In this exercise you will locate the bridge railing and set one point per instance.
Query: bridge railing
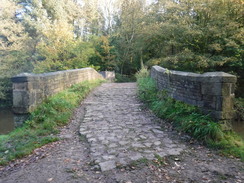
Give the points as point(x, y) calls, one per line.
point(212, 92)
point(29, 89)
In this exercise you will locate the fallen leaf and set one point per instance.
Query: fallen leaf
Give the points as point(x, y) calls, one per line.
point(167, 177)
point(177, 164)
point(50, 179)
point(67, 160)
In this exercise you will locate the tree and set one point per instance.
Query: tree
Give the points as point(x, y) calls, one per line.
point(14, 46)
point(127, 33)
point(105, 56)
point(54, 27)
point(200, 36)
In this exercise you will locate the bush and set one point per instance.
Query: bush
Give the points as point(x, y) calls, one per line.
point(143, 73)
point(239, 109)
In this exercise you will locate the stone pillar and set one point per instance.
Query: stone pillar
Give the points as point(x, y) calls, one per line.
point(218, 94)
point(108, 75)
point(23, 96)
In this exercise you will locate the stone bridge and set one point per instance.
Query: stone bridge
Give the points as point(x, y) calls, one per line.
point(117, 128)
point(212, 92)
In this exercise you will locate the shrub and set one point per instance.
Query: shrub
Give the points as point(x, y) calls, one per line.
point(239, 109)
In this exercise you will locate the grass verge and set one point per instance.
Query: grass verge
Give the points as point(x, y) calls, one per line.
point(44, 123)
point(188, 118)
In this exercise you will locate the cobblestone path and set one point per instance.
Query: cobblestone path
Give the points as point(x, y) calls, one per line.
point(119, 132)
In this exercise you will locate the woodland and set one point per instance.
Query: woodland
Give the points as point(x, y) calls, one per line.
point(123, 35)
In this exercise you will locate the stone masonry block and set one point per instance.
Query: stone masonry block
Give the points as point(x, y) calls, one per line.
point(228, 104)
point(218, 77)
point(21, 98)
point(228, 89)
point(20, 86)
point(224, 104)
point(211, 88)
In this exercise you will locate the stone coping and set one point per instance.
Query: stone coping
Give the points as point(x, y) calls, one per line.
point(220, 77)
point(25, 77)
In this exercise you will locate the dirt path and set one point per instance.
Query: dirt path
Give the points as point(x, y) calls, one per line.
point(117, 133)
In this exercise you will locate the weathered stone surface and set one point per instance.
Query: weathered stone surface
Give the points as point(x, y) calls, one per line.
point(107, 165)
point(109, 75)
point(123, 131)
point(213, 92)
point(212, 88)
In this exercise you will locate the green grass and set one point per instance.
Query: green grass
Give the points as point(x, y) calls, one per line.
point(188, 119)
point(44, 123)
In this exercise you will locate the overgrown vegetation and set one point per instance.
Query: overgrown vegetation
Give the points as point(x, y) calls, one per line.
point(239, 109)
point(44, 123)
point(121, 78)
point(188, 118)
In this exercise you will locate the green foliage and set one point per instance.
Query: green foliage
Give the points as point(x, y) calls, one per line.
point(104, 57)
point(44, 123)
point(71, 54)
point(14, 47)
point(147, 89)
point(5, 92)
point(188, 118)
point(143, 73)
point(122, 78)
point(230, 144)
point(41, 35)
point(197, 36)
point(239, 108)
point(127, 36)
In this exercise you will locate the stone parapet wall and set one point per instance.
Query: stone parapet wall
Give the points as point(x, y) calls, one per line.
point(212, 92)
point(108, 75)
point(29, 90)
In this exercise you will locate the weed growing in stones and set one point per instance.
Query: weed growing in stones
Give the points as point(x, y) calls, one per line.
point(158, 161)
point(136, 164)
point(83, 138)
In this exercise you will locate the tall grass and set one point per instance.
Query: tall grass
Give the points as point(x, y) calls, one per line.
point(44, 123)
point(187, 118)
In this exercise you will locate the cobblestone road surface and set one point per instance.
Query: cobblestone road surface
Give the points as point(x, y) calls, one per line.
point(119, 132)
